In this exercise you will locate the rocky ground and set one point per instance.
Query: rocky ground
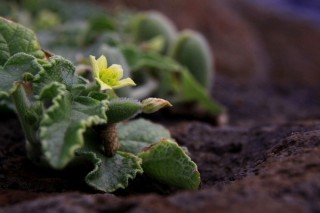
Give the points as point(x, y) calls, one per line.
point(266, 159)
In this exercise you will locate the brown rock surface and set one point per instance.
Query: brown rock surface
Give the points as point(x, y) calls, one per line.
point(267, 169)
point(262, 165)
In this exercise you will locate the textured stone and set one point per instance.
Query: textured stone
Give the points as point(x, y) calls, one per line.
point(265, 169)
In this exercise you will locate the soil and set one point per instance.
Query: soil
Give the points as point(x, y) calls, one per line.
point(265, 160)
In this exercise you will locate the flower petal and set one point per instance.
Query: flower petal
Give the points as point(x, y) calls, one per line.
point(116, 70)
point(123, 83)
point(95, 67)
point(103, 86)
point(102, 62)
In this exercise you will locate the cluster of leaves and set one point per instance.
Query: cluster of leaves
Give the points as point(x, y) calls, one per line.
point(61, 113)
point(165, 63)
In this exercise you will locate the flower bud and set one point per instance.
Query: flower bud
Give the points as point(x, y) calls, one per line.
point(151, 105)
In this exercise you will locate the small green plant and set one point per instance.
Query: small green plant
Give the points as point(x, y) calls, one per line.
point(67, 119)
point(166, 63)
point(182, 62)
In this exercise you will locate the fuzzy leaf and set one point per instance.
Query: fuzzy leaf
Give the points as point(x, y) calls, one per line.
point(149, 25)
point(192, 51)
point(15, 69)
point(57, 70)
point(122, 108)
point(109, 174)
point(168, 163)
point(64, 121)
point(136, 135)
point(15, 38)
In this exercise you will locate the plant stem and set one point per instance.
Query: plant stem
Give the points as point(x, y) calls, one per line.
point(109, 137)
point(23, 105)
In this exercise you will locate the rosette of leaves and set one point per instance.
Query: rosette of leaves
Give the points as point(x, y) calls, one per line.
point(65, 118)
point(181, 64)
point(165, 77)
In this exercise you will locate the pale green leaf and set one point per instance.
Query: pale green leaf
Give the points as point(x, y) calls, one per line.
point(15, 38)
point(64, 121)
point(148, 25)
point(136, 135)
point(16, 67)
point(57, 70)
point(109, 174)
point(193, 91)
point(192, 51)
point(178, 85)
point(168, 163)
point(156, 61)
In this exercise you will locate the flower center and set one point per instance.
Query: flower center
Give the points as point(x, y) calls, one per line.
point(109, 77)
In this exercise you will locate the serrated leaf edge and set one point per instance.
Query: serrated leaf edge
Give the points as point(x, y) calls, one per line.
point(170, 141)
point(92, 120)
point(33, 61)
point(53, 60)
point(97, 163)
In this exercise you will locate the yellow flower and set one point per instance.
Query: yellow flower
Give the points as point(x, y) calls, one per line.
point(109, 77)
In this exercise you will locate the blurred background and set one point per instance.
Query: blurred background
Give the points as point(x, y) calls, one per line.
point(277, 40)
point(252, 41)
point(266, 53)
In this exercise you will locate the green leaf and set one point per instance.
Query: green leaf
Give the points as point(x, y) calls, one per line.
point(57, 70)
point(137, 59)
point(136, 135)
point(98, 95)
point(193, 91)
point(174, 79)
point(192, 51)
point(131, 53)
point(122, 109)
point(64, 121)
point(16, 67)
point(163, 68)
point(109, 174)
point(148, 25)
point(168, 163)
point(156, 61)
point(15, 38)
